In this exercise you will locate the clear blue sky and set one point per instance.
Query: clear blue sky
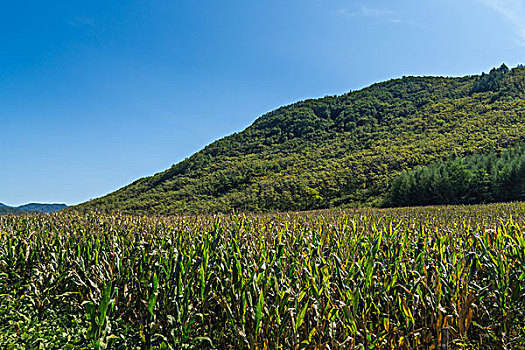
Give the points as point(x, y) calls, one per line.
point(96, 94)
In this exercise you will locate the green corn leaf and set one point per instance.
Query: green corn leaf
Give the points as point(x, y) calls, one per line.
point(300, 316)
point(258, 313)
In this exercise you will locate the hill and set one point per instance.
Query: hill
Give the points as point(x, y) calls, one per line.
point(338, 150)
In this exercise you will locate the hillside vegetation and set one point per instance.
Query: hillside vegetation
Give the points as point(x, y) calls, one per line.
point(338, 150)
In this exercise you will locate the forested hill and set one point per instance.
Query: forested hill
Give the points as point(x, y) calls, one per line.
point(338, 150)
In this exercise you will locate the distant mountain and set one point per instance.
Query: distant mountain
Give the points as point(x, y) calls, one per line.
point(338, 150)
point(4, 209)
point(42, 208)
point(31, 207)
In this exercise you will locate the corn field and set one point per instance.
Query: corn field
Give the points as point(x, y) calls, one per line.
point(409, 278)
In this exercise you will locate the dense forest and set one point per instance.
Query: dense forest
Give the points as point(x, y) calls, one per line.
point(338, 150)
point(468, 180)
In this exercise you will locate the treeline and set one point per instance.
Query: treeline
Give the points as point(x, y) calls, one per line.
point(491, 81)
point(467, 180)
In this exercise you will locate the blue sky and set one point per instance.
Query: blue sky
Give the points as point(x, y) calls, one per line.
point(96, 94)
